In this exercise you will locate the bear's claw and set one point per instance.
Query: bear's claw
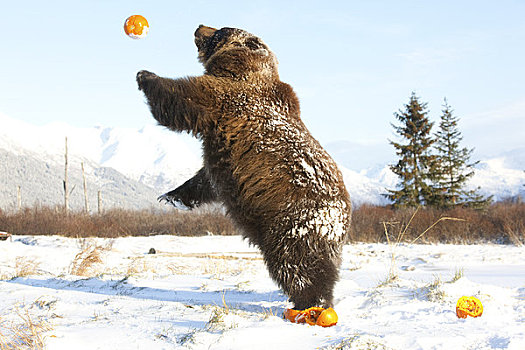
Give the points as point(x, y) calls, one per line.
point(169, 199)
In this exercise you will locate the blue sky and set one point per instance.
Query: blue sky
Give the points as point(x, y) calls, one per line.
point(352, 63)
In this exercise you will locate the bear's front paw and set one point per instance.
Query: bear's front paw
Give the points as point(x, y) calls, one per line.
point(143, 76)
point(169, 198)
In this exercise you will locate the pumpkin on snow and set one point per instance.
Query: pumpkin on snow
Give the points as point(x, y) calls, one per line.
point(313, 316)
point(469, 306)
point(136, 27)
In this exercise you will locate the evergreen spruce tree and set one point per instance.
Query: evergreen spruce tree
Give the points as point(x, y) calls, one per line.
point(416, 164)
point(453, 168)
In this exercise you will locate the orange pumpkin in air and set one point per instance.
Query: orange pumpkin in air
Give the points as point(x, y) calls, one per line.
point(313, 316)
point(469, 306)
point(136, 27)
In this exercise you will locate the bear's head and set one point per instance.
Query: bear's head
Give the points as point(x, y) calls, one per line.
point(234, 53)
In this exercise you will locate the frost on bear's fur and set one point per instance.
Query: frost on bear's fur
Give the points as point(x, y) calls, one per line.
point(277, 183)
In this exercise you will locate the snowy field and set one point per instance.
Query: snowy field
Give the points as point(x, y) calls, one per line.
point(214, 293)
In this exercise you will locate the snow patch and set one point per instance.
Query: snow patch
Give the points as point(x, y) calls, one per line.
point(215, 292)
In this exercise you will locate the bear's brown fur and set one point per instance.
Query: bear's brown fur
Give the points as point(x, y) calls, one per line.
point(276, 181)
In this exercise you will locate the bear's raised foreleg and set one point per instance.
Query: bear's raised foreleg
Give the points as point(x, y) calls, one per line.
point(179, 104)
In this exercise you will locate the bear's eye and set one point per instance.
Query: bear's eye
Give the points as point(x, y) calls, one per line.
point(236, 44)
point(253, 44)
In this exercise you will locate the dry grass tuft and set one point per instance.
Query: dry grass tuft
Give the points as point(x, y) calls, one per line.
point(434, 290)
point(25, 266)
point(458, 274)
point(26, 333)
point(86, 261)
point(394, 241)
point(137, 266)
point(216, 321)
point(267, 313)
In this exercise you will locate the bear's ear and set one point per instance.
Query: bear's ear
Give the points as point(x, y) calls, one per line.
point(204, 33)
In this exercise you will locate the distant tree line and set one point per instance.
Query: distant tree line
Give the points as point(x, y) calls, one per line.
point(433, 168)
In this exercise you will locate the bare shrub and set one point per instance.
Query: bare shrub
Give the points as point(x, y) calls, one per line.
point(511, 220)
point(116, 223)
point(502, 222)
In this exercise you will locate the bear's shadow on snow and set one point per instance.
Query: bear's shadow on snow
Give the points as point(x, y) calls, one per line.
point(244, 300)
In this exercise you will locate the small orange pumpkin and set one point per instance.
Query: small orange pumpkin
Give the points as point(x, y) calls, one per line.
point(294, 316)
point(469, 306)
point(327, 318)
point(313, 316)
point(136, 27)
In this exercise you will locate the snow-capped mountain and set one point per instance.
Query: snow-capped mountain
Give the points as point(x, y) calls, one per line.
point(40, 182)
point(502, 176)
point(132, 167)
point(151, 155)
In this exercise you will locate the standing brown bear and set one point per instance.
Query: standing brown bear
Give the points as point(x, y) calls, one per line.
point(276, 181)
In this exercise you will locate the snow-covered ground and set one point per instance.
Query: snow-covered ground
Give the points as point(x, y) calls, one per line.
point(214, 293)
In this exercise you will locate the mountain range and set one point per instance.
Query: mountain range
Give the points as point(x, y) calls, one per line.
point(131, 167)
